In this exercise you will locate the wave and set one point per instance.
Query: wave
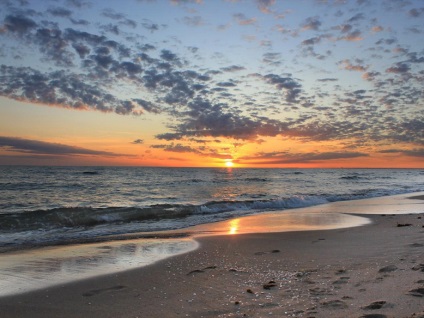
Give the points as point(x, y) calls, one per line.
point(69, 217)
point(87, 224)
point(354, 177)
point(89, 217)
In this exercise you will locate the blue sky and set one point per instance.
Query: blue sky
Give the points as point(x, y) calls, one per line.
point(255, 82)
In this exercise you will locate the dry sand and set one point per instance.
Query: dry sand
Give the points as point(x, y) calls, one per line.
point(374, 271)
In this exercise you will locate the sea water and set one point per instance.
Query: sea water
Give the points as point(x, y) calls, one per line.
point(42, 206)
point(61, 224)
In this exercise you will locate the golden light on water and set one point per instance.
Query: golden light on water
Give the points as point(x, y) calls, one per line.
point(234, 226)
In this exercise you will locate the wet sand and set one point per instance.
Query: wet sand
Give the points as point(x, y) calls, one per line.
point(375, 271)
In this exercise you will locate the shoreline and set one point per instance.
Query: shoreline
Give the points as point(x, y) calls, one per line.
point(322, 273)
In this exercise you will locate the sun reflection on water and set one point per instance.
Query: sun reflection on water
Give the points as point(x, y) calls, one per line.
point(234, 226)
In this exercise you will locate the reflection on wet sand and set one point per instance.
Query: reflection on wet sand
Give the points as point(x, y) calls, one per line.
point(279, 222)
point(34, 269)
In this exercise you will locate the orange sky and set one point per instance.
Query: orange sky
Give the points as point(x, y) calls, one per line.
point(305, 84)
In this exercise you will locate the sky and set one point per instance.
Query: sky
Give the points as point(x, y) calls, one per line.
point(212, 83)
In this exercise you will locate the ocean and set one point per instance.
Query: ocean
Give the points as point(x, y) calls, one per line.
point(63, 224)
point(47, 206)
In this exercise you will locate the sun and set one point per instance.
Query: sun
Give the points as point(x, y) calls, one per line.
point(229, 164)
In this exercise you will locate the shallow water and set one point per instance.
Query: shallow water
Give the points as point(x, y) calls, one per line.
point(37, 269)
point(23, 271)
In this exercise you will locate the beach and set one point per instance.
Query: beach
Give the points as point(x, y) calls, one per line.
point(373, 270)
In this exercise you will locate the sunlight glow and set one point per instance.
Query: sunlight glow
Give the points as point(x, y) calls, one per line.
point(234, 226)
point(229, 164)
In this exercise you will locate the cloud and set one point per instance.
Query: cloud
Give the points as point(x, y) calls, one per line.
point(179, 2)
point(152, 27)
point(311, 23)
point(241, 19)
point(352, 36)
point(290, 86)
point(59, 89)
point(29, 146)
point(206, 119)
point(377, 28)
point(411, 153)
point(357, 17)
point(416, 12)
point(176, 148)
point(194, 21)
point(233, 68)
point(138, 142)
point(327, 79)
point(272, 58)
point(264, 5)
point(370, 76)
point(290, 158)
point(18, 24)
point(347, 65)
point(399, 68)
point(60, 12)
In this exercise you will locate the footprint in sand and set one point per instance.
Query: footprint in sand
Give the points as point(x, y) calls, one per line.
point(103, 290)
point(334, 304)
point(376, 305)
point(196, 271)
point(342, 280)
point(268, 252)
point(418, 292)
point(388, 269)
point(419, 267)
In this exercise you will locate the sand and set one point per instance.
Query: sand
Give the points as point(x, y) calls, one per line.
point(375, 270)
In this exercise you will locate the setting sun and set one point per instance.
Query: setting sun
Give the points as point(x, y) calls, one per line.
point(229, 164)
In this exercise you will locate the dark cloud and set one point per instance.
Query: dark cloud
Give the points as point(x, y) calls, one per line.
point(19, 24)
point(311, 23)
point(272, 58)
point(241, 19)
point(370, 76)
point(352, 36)
point(180, 2)
point(290, 86)
point(348, 65)
point(293, 158)
point(233, 68)
point(58, 89)
point(30, 146)
point(264, 5)
point(411, 153)
point(357, 17)
point(60, 12)
point(312, 41)
point(226, 84)
point(327, 80)
point(54, 46)
point(399, 68)
point(152, 27)
point(416, 12)
point(78, 4)
point(193, 21)
point(138, 141)
point(176, 148)
point(111, 14)
point(147, 106)
point(205, 119)
point(80, 22)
